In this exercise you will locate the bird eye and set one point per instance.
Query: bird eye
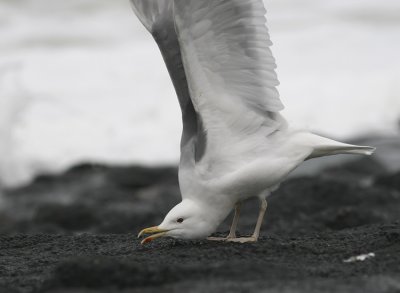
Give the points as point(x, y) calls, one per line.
point(180, 220)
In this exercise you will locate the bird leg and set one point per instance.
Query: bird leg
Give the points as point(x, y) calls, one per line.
point(232, 232)
point(256, 233)
point(263, 209)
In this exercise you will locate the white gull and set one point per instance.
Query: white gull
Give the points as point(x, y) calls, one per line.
point(235, 143)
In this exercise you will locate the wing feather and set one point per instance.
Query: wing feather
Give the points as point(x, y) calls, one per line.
point(230, 69)
point(157, 17)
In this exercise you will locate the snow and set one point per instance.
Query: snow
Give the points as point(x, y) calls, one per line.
point(90, 84)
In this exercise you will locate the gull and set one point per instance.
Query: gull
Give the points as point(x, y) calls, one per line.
point(235, 143)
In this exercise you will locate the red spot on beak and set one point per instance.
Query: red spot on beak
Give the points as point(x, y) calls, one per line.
point(147, 240)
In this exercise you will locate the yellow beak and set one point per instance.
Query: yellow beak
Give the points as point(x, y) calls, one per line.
point(155, 231)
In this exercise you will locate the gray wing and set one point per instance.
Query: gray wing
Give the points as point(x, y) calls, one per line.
point(230, 69)
point(157, 17)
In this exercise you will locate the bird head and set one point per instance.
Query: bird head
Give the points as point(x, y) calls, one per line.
point(187, 220)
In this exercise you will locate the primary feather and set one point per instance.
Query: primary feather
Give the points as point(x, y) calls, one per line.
point(157, 17)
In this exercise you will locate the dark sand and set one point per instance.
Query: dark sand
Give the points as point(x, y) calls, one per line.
point(77, 233)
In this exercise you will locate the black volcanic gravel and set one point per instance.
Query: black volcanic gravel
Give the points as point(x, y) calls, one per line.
point(76, 232)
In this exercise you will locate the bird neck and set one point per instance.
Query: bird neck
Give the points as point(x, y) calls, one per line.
point(215, 210)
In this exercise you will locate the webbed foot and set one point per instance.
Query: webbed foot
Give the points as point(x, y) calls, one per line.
point(243, 240)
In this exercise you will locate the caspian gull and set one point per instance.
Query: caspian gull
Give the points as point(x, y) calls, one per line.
point(235, 143)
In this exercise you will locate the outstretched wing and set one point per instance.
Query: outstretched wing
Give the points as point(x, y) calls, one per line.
point(157, 17)
point(230, 70)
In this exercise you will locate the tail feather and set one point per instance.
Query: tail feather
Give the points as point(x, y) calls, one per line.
point(327, 147)
point(359, 150)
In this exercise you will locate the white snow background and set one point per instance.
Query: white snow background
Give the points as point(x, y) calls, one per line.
point(81, 80)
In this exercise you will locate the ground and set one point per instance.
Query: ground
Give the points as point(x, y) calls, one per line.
point(76, 232)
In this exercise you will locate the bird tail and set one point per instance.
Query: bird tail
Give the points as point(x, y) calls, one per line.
point(151, 11)
point(323, 146)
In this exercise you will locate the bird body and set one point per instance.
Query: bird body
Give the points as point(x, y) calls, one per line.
point(235, 143)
